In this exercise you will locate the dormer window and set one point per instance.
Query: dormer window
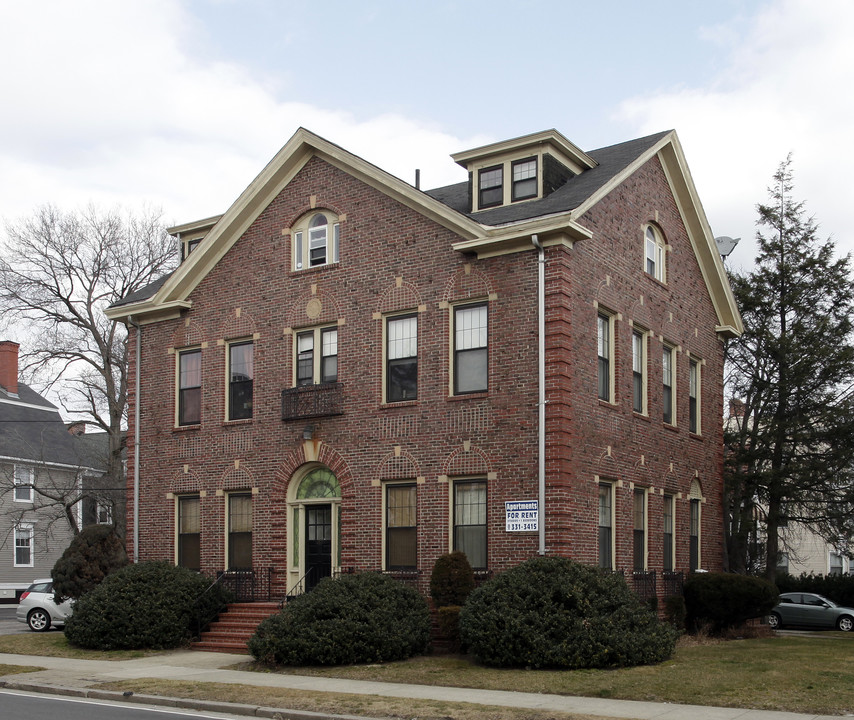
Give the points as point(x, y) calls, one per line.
point(524, 179)
point(315, 242)
point(491, 186)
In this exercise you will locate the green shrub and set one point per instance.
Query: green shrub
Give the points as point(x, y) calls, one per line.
point(553, 612)
point(719, 601)
point(674, 611)
point(94, 553)
point(839, 588)
point(448, 617)
point(452, 580)
point(366, 617)
point(148, 605)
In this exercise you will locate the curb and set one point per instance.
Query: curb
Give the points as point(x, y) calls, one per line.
point(187, 704)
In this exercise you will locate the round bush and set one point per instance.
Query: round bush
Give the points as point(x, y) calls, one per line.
point(93, 553)
point(359, 618)
point(452, 579)
point(148, 605)
point(551, 612)
point(720, 601)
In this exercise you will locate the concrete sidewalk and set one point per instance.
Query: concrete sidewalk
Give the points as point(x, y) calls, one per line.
point(75, 677)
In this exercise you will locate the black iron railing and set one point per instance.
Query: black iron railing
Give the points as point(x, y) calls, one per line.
point(310, 401)
point(672, 583)
point(643, 583)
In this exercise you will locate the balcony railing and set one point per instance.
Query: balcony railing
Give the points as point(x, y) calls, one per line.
point(311, 401)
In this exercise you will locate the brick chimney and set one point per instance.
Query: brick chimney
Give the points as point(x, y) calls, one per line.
point(9, 366)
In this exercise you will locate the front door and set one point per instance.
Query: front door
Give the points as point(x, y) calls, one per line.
point(318, 551)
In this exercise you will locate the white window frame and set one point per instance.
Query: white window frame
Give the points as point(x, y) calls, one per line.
point(413, 484)
point(179, 354)
point(321, 337)
point(461, 343)
point(609, 487)
point(605, 344)
point(668, 501)
point(23, 483)
point(23, 531)
point(105, 508)
point(523, 165)
point(387, 359)
point(307, 238)
point(670, 351)
point(229, 381)
point(655, 254)
point(695, 394)
point(452, 535)
point(639, 369)
point(643, 495)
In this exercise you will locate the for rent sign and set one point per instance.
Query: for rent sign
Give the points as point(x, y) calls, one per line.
point(522, 516)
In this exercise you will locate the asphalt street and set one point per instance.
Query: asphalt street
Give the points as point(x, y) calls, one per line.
point(8, 624)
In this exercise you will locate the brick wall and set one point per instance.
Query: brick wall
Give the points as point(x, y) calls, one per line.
point(393, 259)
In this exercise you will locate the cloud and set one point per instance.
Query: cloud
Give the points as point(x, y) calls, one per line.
point(114, 103)
point(785, 90)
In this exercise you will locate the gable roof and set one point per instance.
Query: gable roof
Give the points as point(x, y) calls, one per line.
point(495, 231)
point(32, 430)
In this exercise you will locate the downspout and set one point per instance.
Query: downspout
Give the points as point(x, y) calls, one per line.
point(136, 440)
point(541, 393)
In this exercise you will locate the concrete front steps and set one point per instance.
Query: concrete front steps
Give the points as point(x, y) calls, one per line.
point(233, 628)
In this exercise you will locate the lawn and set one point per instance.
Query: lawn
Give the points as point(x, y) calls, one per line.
point(809, 674)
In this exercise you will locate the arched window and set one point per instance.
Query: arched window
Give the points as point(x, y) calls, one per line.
point(655, 254)
point(315, 241)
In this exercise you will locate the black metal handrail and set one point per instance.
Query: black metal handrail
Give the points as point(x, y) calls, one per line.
point(309, 401)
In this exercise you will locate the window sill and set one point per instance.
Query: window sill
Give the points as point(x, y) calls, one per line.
point(314, 268)
point(469, 396)
point(641, 416)
point(237, 423)
point(696, 436)
point(402, 403)
point(186, 428)
point(670, 426)
point(610, 405)
point(656, 280)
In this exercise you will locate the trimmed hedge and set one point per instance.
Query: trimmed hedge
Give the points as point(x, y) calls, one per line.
point(93, 553)
point(361, 618)
point(452, 579)
point(148, 605)
point(551, 612)
point(839, 588)
point(719, 601)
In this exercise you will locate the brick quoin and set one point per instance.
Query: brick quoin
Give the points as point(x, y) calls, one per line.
point(395, 259)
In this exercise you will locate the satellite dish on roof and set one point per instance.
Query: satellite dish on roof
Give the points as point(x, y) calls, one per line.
point(726, 245)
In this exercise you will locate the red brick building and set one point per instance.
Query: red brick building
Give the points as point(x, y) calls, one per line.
point(347, 372)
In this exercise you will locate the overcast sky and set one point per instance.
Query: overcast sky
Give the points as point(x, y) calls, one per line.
point(178, 104)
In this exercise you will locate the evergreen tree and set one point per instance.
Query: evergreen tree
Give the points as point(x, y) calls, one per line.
point(95, 552)
point(790, 445)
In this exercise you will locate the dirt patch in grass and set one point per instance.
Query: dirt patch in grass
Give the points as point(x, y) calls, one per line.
point(17, 669)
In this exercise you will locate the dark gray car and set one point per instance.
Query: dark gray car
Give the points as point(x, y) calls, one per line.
point(810, 610)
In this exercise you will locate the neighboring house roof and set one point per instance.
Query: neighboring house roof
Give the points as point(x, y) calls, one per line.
point(32, 430)
point(554, 218)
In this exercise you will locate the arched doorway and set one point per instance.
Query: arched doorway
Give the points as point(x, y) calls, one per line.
point(314, 503)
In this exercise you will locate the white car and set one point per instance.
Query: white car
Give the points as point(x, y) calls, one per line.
point(38, 609)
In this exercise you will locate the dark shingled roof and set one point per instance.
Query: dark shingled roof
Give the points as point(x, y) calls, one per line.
point(612, 160)
point(32, 429)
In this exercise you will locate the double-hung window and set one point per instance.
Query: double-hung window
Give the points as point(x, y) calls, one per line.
point(23, 484)
point(667, 384)
point(241, 373)
point(606, 525)
point(314, 367)
point(189, 532)
point(694, 536)
point(655, 254)
point(490, 187)
point(639, 532)
point(401, 358)
point(23, 545)
point(317, 242)
point(470, 349)
point(605, 333)
point(239, 531)
point(189, 387)
point(639, 371)
point(524, 179)
point(470, 521)
point(667, 534)
point(694, 397)
point(401, 527)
